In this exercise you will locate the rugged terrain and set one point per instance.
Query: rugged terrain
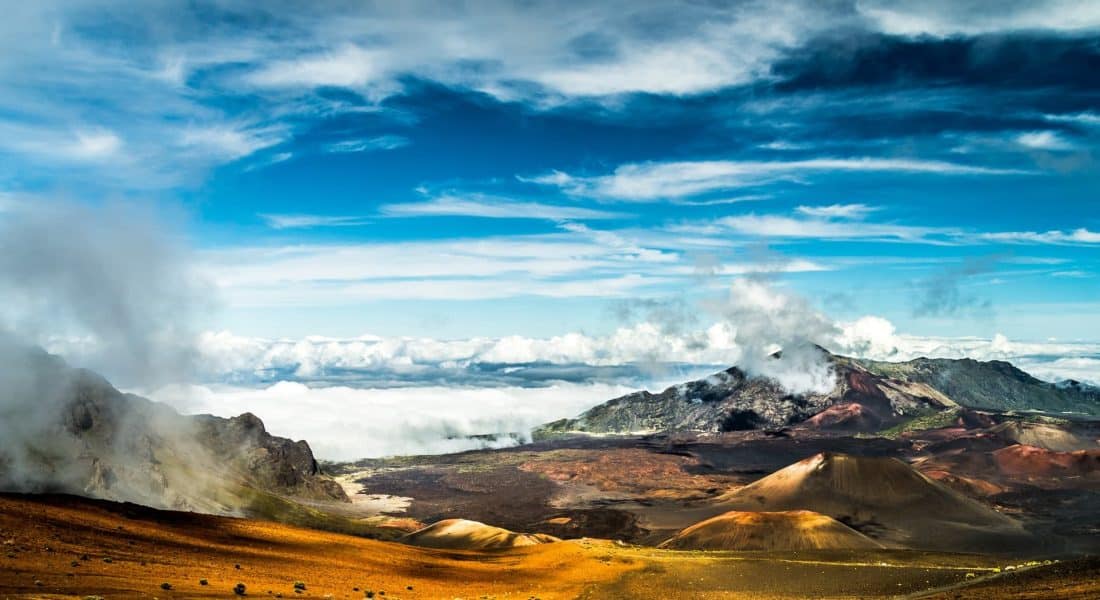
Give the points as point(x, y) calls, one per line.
point(867, 396)
point(738, 490)
point(67, 547)
point(73, 432)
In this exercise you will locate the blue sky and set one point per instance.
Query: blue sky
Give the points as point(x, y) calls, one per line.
point(514, 168)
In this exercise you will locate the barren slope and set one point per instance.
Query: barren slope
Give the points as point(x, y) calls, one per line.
point(770, 531)
point(883, 498)
point(461, 534)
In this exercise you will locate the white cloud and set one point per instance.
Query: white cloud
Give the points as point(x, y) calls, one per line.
point(348, 66)
point(577, 262)
point(837, 211)
point(1075, 274)
point(93, 145)
point(228, 141)
point(775, 226)
point(299, 221)
point(951, 17)
point(537, 50)
point(648, 182)
point(1043, 140)
point(382, 142)
point(1057, 237)
point(1083, 118)
point(83, 145)
point(415, 414)
point(343, 423)
point(493, 208)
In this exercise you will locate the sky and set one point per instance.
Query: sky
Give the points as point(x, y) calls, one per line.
point(508, 174)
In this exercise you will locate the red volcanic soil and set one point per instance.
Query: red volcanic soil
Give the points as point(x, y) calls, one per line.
point(845, 416)
point(969, 485)
point(1029, 461)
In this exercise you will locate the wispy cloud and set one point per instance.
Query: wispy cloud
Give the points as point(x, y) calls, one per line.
point(383, 142)
point(300, 221)
point(775, 226)
point(493, 208)
point(230, 142)
point(83, 145)
point(837, 211)
point(1074, 273)
point(347, 66)
point(1058, 237)
point(648, 182)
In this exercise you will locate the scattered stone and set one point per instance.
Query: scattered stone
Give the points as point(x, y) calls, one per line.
point(165, 586)
point(75, 563)
point(299, 585)
point(204, 582)
point(108, 560)
point(239, 589)
point(38, 583)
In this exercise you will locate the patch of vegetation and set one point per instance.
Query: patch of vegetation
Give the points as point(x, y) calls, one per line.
point(923, 423)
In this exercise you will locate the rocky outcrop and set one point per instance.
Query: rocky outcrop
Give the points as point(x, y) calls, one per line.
point(80, 435)
point(867, 396)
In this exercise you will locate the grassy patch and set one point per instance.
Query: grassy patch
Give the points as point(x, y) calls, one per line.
point(922, 423)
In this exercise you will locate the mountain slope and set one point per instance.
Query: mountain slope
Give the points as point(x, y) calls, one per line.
point(868, 396)
point(992, 385)
point(68, 430)
point(883, 498)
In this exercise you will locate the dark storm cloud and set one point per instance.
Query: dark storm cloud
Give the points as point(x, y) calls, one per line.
point(1017, 61)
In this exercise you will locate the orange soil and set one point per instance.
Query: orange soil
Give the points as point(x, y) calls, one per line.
point(41, 537)
point(461, 534)
point(755, 531)
point(1029, 461)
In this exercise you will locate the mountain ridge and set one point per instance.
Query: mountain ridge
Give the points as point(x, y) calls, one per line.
point(868, 396)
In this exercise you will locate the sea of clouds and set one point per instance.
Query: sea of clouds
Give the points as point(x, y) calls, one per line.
point(371, 396)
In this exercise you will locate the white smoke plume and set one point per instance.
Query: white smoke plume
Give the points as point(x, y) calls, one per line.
point(117, 277)
point(778, 335)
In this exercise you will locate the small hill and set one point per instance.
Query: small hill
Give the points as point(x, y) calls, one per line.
point(460, 534)
point(1033, 462)
point(770, 531)
point(1040, 435)
point(883, 498)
